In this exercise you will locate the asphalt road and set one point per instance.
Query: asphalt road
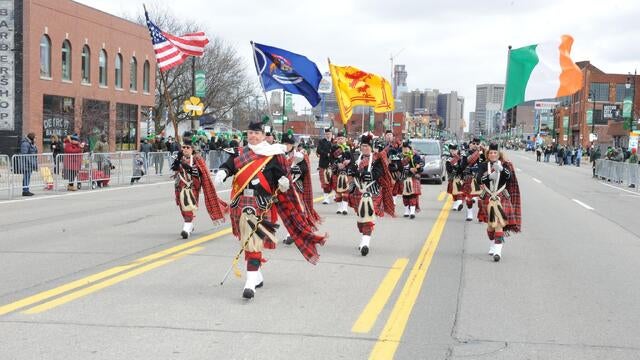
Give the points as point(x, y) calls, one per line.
point(105, 275)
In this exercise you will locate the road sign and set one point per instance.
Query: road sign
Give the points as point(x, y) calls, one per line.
point(565, 137)
point(201, 86)
point(544, 105)
point(288, 104)
point(396, 124)
point(193, 106)
point(325, 86)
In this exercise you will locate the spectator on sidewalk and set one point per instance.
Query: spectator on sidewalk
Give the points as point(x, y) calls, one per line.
point(159, 147)
point(72, 160)
point(138, 168)
point(57, 148)
point(561, 156)
point(100, 151)
point(595, 155)
point(28, 162)
point(578, 155)
point(145, 149)
point(538, 153)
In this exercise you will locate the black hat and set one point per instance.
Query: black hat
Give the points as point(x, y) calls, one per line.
point(186, 138)
point(255, 126)
point(407, 144)
point(288, 138)
point(475, 140)
point(342, 133)
point(453, 147)
point(388, 132)
point(493, 146)
point(327, 130)
point(366, 139)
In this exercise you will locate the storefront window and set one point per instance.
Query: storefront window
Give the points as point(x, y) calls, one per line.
point(126, 126)
point(57, 118)
point(95, 121)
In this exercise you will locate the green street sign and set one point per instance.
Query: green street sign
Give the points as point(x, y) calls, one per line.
point(201, 86)
point(589, 117)
point(288, 104)
point(626, 108)
point(372, 124)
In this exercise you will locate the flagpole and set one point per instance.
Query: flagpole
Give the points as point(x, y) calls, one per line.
point(167, 98)
point(506, 77)
point(255, 62)
point(284, 101)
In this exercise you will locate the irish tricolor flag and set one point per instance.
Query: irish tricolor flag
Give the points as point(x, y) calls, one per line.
point(541, 71)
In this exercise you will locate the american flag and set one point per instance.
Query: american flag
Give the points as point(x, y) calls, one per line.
point(172, 50)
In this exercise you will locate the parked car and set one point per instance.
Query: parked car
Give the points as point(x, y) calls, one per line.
point(431, 153)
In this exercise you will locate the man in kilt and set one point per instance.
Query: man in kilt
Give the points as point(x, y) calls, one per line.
point(454, 180)
point(412, 165)
point(324, 161)
point(393, 151)
point(469, 168)
point(261, 181)
point(298, 166)
point(499, 204)
point(370, 190)
point(341, 159)
point(192, 177)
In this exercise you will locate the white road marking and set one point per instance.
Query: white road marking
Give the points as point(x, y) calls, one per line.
point(582, 204)
point(536, 180)
point(625, 190)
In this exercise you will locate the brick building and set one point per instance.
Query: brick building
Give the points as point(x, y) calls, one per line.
point(573, 124)
point(72, 69)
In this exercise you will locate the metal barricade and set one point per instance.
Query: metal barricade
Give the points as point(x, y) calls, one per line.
point(599, 168)
point(157, 164)
point(5, 175)
point(31, 172)
point(631, 171)
point(617, 174)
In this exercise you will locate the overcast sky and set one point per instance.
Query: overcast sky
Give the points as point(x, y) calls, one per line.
point(446, 45)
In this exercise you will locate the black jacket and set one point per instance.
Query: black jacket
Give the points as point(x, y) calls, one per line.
point(483, 175)
point(324, 153)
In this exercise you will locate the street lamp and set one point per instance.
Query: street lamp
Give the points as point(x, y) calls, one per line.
point(627, 86)
point(592, 96)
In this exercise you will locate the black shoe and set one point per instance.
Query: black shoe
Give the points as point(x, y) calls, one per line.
point(288, 240)
point(248, 293)
point(260, 285)
point(344, 212)
point(496, 258)
point(412, 216)
point(460, 207)
point(338, 212)
point(406, 215)
point(27, 193)
point(364, 250)
point(184, 234)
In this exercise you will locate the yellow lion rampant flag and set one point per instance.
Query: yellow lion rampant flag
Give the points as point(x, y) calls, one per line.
point(355, 87)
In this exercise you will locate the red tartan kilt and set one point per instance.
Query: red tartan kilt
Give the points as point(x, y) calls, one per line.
point(356, 196)
point(450, 186)
point(397, 188)
point(326, 187)
point(466, 186)
point(237, 211)
point(506, 206)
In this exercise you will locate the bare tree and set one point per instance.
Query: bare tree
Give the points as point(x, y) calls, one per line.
point(227, 82)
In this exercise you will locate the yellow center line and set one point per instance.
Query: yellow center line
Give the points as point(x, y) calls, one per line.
point(107, 273)
point(370, 313)
point(393, 330)
point(109, 282)
point(89, 280)
point(442, 196)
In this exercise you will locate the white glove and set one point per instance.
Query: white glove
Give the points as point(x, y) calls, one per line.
point(494, 175)
point(283, 184)
point(497, 166)
point(220, 176)
point(298, 156)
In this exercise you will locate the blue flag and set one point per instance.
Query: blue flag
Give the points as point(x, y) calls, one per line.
point(281, 69)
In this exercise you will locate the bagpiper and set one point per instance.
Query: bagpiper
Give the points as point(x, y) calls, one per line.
point(499, 205)
point(192, 177)
point(411, 166)
point(469, 169)
point(341, 159)
point(260, 181)
point(370, 190)
point(454, 179)
point(324, 164)
point(298, 165)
